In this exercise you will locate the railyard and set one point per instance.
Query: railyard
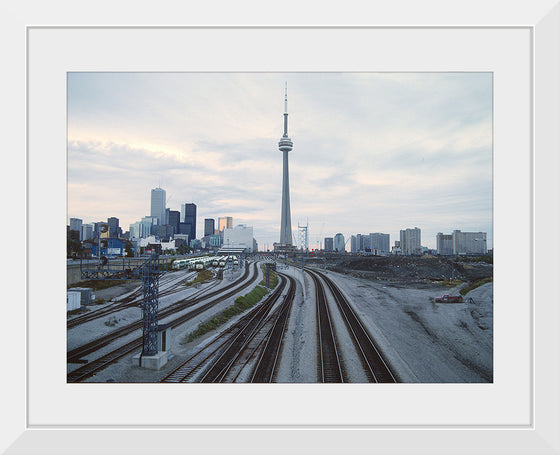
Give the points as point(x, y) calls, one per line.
point(302, 331)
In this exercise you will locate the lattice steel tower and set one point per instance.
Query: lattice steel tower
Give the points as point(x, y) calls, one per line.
point(285, 145)
point(303, 236)
point(150, 292)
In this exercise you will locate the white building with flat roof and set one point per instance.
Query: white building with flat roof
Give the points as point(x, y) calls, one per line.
point(469, 242)
point(241, 236)
point(411, 241)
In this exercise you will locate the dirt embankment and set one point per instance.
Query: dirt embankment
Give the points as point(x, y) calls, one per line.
point(410, 269)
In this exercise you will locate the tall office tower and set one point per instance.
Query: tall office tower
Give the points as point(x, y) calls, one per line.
point(76, 225)
point(208, 226)
point(225, 222)
point(158, 205)
point(338, 243)
point(411, 241)
point(328, 244)
point(188, 216)
point(174, 220)
point(113, 224)
point(285, 145)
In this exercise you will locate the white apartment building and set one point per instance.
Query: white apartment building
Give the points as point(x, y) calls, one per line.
point(411, 241)
point(469, 242)
point(338, 243)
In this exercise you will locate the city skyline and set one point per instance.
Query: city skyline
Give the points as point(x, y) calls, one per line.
point(374, 152)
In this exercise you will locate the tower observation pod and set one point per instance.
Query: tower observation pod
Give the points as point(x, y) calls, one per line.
point(285, 145)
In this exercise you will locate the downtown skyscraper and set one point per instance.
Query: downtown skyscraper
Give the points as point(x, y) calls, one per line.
point(157, 207)
point(188, 220)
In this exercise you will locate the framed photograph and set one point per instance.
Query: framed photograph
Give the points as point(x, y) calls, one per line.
point(517, 412)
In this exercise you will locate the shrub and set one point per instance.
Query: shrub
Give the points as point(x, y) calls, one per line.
point(242, 303)
point(475, 285)
point(203, 275)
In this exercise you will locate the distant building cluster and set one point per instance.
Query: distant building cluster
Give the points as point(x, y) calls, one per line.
point(373, 243)
point(164, 230)
point(174, 231)
point(409, 243)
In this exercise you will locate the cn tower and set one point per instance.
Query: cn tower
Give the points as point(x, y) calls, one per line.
point(285, 145)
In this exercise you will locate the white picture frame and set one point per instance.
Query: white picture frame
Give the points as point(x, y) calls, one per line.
point(28, 427)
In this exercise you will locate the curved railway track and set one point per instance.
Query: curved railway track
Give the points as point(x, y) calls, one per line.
point(376, 367)
point(260, 330)
point(74, 356)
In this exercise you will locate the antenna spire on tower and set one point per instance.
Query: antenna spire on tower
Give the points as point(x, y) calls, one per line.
point(286, 112)
point(286, 99)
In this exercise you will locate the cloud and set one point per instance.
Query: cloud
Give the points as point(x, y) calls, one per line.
point(372, 151)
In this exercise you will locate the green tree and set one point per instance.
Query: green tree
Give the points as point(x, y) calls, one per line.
point(128, 249)
point(73, 247)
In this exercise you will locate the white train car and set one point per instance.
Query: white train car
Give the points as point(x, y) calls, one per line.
point(203, 262)
point(179, 264)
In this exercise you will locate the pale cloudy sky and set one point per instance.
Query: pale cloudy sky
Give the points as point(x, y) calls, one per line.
point(373, 152)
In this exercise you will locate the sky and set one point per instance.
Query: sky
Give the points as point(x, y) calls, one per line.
point(373, 152)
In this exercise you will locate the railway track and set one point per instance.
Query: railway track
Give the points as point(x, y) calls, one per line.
point(376, 367)
point(75, 355)
point(329, 364)
point(225, 357)
point(267, 362)
point(131, 300)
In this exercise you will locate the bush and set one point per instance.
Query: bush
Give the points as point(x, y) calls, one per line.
point(203, 275)
point(242, 303)
point(273, 278)
point(475, 285)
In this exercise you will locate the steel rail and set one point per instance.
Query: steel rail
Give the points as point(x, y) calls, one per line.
point(200, 359)
point(265, 368)
point(330, 368)
point(238, 344)
point(92, 346)
point(126, 302)
point(371, 356)
point(95, 365)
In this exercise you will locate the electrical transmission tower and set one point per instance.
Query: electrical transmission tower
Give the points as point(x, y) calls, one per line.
point(303, 239)
point(150, 291)
point(149, 272)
